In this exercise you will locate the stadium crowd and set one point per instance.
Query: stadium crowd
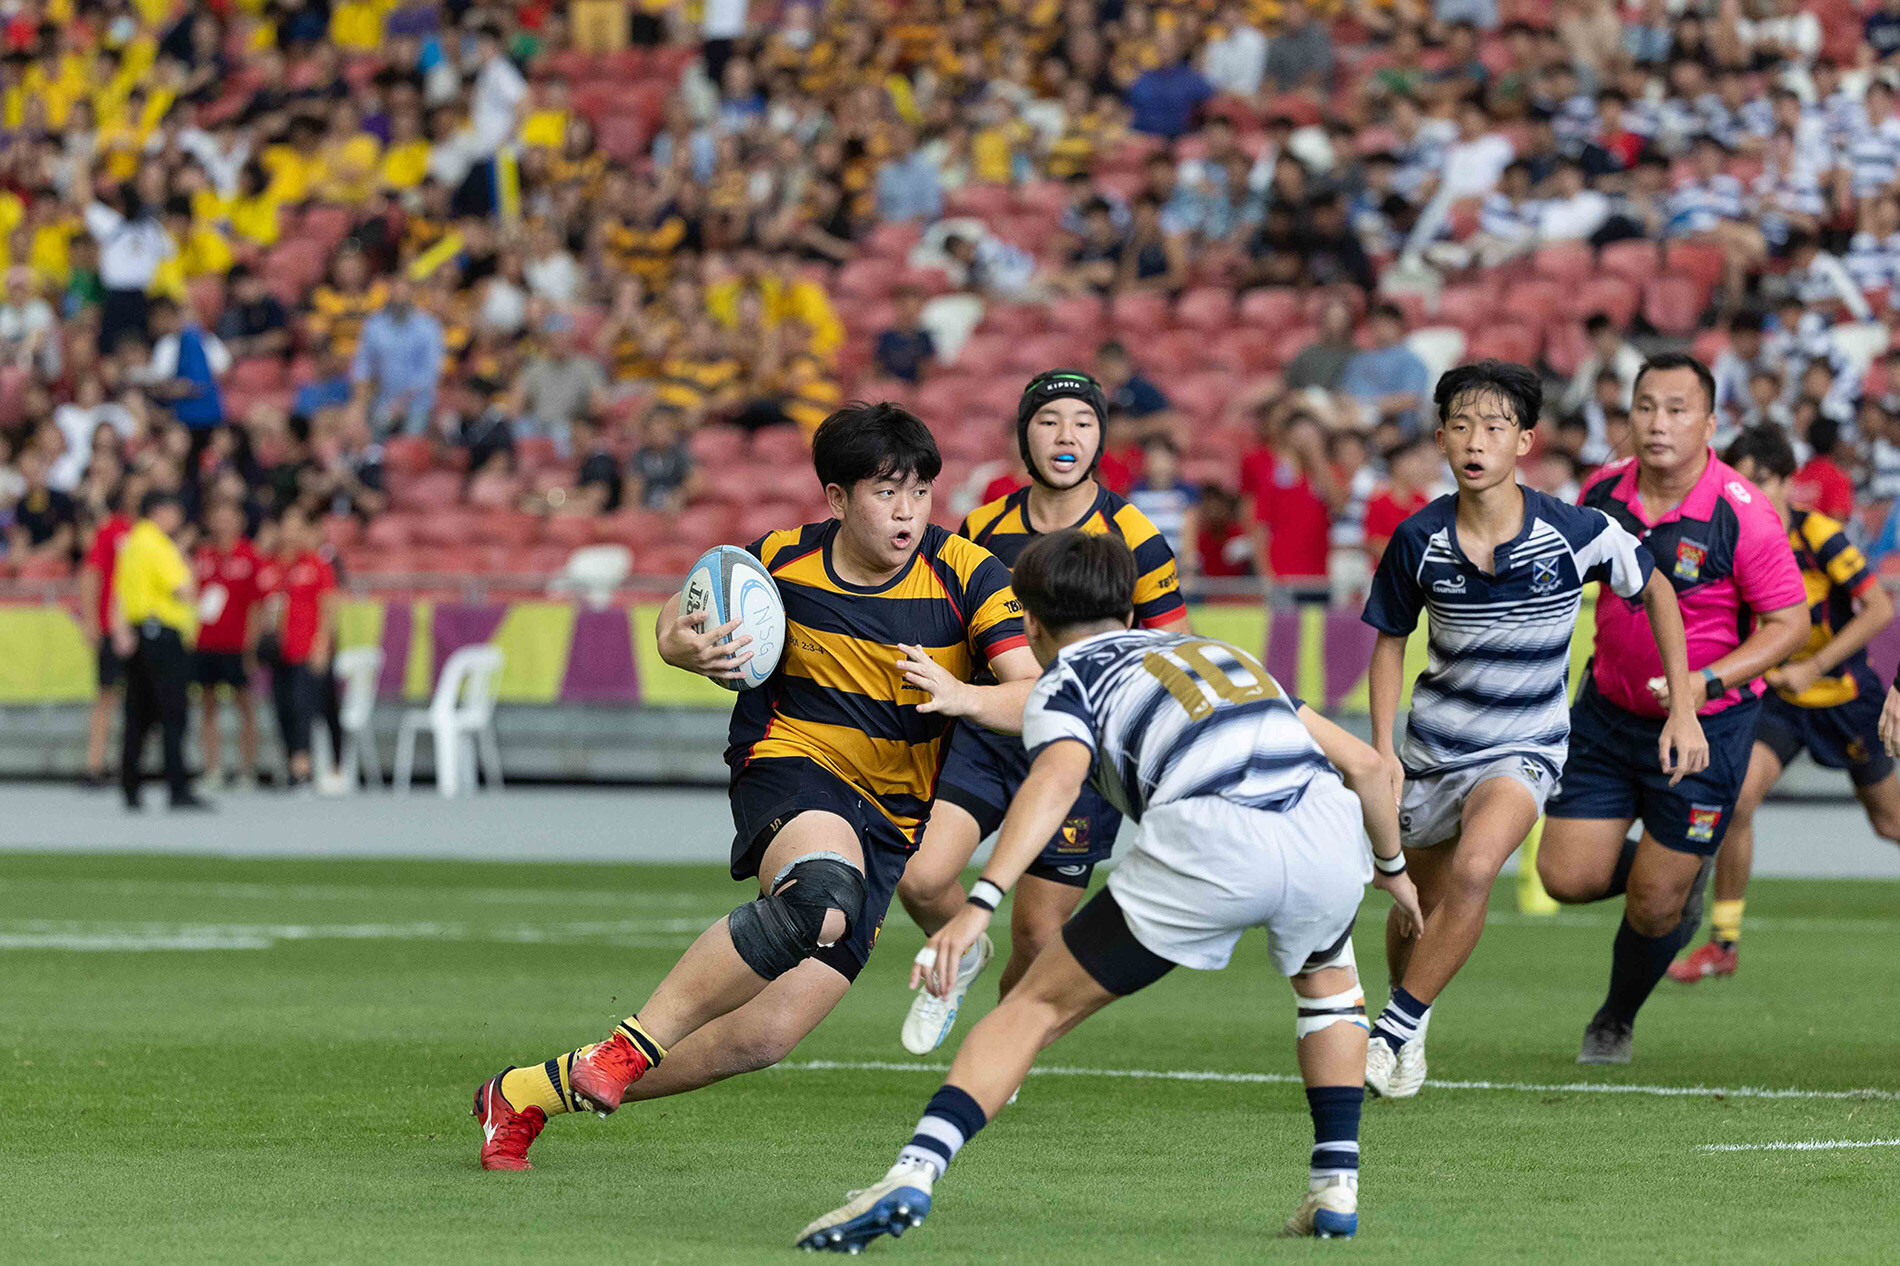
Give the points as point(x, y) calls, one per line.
point(471, 285)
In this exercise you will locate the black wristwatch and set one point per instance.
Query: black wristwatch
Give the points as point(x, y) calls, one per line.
point(1715, 688)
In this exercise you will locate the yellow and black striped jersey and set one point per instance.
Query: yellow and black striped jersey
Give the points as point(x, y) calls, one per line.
point(837, 697)
point(1835, 574)
point(1002, 527)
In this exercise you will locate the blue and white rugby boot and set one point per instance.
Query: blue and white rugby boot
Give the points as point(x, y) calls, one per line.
point(1329, 1211)
point(898, 1202)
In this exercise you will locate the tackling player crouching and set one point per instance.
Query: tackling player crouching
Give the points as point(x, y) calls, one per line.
point(1244, 821)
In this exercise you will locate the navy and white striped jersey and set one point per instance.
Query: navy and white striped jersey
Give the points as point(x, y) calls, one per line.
point(1498, 657)
point(1171, 716)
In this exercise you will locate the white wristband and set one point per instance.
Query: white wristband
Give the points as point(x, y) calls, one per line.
point(986, 894)
point(1389, 865)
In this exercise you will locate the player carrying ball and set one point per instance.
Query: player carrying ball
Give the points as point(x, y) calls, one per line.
point(1501, 568)
point(888, 618)
point(1825, 699)
point(1059, 424)
point(1244, 821)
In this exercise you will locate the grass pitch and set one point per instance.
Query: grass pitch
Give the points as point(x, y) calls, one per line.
point(219, 1061)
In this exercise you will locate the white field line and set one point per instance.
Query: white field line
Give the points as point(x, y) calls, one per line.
point(1522, 1087)
point(1810, 1145)
point(631, 898)
point(139, 937)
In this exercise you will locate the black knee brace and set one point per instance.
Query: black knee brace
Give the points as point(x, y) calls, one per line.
point(779, 931)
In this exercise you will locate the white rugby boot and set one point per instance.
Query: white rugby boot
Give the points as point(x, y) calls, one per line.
point(931, 1018)
point(1399, 1076)
point(1328, 1212)
point(892, 1206)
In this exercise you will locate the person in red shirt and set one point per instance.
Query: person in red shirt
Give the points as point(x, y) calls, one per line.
point(1821, 485)
point(1412, 468)
point(1289, 495)
point(304, 593)
point(95, 618)
point(1222, 551)
point(228, 594)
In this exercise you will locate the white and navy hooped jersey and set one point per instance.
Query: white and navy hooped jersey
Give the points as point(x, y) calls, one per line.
point(1498, 656)
point(1171, 716)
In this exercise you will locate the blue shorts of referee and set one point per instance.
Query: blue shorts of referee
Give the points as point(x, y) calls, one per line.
point(1613, 771)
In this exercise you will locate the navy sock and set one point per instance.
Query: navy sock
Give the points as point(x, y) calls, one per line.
point(1620, 877)
point(1335, 1112)
point(951, 1120)
point(1637, 964)
point(1401, 1020)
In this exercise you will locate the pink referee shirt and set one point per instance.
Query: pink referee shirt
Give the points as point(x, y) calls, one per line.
point(1727, 555)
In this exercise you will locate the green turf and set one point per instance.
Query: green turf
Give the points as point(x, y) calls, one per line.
point(301, 1094)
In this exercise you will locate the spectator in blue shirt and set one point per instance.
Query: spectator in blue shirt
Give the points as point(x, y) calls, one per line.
point(1129, 394)
point(329, 389)
point(1165, 100)
point(1166, 498)
point(906, 348)
point(908, 187)
point(1390, 383)
point(398, 363)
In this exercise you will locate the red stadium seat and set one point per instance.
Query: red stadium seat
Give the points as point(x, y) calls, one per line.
point(1034, 354)
point(448, 526)
point(1566, 346)
point(510, 527)
point(706, 523)
point(1079, 314)
point(1174, 352)
point(342, 531)
point(633, 527)
point(869, 278)
point(1138, 313)
point(535, 452)
point(783, 447)
point(985, 354)
point(1243, 349)
point(1568, 262)
point(1271, 308)
point(1046, 198)
point(1709, 344)
point(665, 561)
point(1314, 302)
point(408, 454)
point(1615, 297)
point(207, 299)
point(1016, 320)
point(256, 374)
point(1506, 340)
point(1290, 343)
point(434, 490)
point(1534, 302)
point(982, 202)
point(1700, 260)
point(1634, 259)
point(1467, 307)
point(892, 240)
point(944, 396)
point(761, 517)
point(1673, 303)
point(389, 531)
point(716, 446)
point(570, 531)
point(1204, 397)
point(1205, 308)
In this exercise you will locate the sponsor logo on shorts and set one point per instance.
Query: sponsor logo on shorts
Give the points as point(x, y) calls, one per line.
point(1072, 871)
point(1544, 576)
point(1690, 555)
point(1454, 585)
point(1702, 822)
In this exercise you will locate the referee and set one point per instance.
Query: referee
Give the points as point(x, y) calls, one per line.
point(153, 621)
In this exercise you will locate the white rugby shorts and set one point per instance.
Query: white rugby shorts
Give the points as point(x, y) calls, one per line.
point(1432, 809)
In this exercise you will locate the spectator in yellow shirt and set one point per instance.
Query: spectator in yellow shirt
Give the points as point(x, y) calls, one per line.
point(153, 625)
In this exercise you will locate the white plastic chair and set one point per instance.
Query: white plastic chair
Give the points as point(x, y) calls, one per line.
point(460, 720)
point(594, 572)
point(1439, 346)
point(358, 671)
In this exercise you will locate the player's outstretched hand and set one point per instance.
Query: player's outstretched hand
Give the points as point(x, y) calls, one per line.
point(936, 965)
point(687, 643)
point(1405, 897)
point(1681, 747)
point(1890, 722)
point(949, 694)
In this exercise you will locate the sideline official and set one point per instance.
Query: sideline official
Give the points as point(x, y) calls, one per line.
point(153, 625)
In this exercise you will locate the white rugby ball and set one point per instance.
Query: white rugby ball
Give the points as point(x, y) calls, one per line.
point(733, 585)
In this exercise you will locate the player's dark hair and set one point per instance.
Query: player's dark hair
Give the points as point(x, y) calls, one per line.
point(1071, 578)
point(873, 441)
point(1824, 436)
point(1518, 385)
point(1678, 360)
point(1765, 444)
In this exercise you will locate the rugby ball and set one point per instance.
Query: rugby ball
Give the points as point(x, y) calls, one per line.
point(734, 585)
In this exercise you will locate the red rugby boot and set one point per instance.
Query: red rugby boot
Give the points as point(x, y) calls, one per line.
point(601, 1073)
point(1710, 960)
point(506, 1133)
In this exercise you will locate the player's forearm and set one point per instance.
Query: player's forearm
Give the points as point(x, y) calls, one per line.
point(1000, 707)
point(1875, 614)
point(1385, 680)
point(1665, 625)
point(1778, 635)
point(1035, 815)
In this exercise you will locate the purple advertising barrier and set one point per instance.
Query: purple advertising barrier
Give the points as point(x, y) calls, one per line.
point(1283, 645)
point(398, 626)
point(600, 661)
point(1349, 642)
point(457, 624)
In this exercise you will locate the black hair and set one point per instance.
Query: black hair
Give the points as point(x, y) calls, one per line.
point(1679, 360)
point(1597, 321)
point(1389, 312)
point(1747, 321)
point(1765, 444)
point(873, 441)
point(1072, 578)
point(1824, 436)
point(1520, 386)
point(154, 499)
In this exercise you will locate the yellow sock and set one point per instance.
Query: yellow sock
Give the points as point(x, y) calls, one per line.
point(543, 1085)
point(638, 1035)
point(1726, 916)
